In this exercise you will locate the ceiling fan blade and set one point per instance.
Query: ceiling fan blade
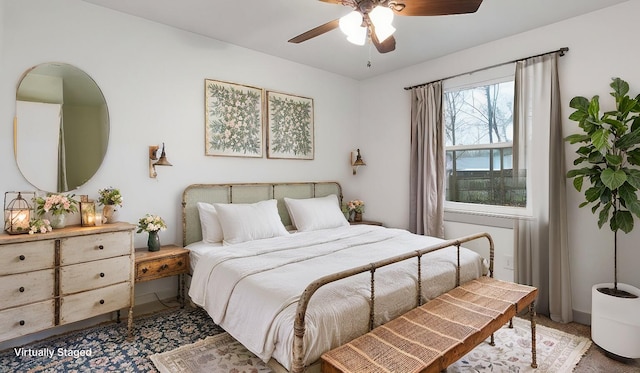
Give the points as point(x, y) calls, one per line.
point(388, 45)
point(433, 7)
point(342, 2)
point(315, 32)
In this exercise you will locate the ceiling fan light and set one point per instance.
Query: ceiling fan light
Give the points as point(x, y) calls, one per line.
point(381, 16)
point(384, 31)
point(350, 23)
point(358, 36)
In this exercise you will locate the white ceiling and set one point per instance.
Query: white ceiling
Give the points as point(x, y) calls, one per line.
point(266, 25)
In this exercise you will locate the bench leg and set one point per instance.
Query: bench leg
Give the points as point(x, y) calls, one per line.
point(532, 314)
point(511, 323)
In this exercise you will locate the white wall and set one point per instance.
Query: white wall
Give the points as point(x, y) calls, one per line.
point(601, 47)
point(152, 77)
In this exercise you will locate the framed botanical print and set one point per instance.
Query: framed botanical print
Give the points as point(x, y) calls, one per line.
point(233, 119)
point(289, 126)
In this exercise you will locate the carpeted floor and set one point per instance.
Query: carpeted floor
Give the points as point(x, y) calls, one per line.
point(110, 351)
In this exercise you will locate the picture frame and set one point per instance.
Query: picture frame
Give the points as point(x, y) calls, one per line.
point(233, 119)
point(290, 126)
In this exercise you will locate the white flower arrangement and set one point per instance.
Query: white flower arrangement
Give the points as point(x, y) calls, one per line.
point(151, 223)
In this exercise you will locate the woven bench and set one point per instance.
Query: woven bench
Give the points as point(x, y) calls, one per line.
point(433, 336)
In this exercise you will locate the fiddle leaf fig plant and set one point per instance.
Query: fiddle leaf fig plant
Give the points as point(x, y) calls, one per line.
point(609, 148)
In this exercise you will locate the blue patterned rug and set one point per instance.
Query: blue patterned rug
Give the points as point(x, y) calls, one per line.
point(108, 347)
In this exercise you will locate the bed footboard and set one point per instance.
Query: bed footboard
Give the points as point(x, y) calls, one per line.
point(297, 365)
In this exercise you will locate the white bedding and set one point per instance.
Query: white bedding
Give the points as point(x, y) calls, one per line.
point(251, 289)
point(198, 250)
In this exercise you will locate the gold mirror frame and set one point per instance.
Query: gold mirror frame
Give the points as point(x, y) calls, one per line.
point(61, 127)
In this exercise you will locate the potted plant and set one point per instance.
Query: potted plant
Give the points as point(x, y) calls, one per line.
point(57, 206)
point(609, 148)
point(109, 198)
point(152, 224)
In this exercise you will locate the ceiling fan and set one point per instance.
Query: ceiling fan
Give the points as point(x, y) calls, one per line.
point(373, 18)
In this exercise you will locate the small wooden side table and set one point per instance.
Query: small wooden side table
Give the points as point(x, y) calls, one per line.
point(367, 222)
point(171, 260)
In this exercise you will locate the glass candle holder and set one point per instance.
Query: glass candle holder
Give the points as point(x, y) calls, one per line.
point(88, 214)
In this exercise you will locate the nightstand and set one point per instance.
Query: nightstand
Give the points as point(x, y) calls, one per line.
point(171, 260)
point(367, 222)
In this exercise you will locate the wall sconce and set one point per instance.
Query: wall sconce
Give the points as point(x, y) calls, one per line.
point(153, 151)
point(17, 213)
point(356, 161)
point(87, 212)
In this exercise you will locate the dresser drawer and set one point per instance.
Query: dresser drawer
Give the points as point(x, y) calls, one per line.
point(26, 256)
point(92, 275)
point(25, 288)
point(18, 321)
point(162, 267)
point(95, 302)
point(87, 248)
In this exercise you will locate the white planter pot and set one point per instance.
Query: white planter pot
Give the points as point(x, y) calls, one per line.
point(615, 322)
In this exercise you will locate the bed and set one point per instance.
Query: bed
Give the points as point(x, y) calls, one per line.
point(250, 272)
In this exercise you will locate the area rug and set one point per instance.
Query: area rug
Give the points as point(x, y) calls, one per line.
point(557, 351)
point(105, 348)
point(218, 353)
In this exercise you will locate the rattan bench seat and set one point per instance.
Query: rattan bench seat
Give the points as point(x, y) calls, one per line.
point(433, 336)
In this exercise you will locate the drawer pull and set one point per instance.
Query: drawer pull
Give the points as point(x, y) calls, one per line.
point(101, 247)
point(21, 289)
point(22, 257)
point(163, 267)
point(179, 264)
point(144, 270)
point(21, 322)
point(101, 274)
point(101, 301)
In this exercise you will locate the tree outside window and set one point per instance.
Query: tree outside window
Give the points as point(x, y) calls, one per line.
point(479, 146)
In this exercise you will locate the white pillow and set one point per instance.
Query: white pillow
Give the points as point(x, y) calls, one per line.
point(245, 222)
point(311, 214)
point(209, 223)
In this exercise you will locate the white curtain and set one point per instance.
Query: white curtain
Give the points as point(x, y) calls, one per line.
point(427, 161)
point(62, 159)
point(542, 253)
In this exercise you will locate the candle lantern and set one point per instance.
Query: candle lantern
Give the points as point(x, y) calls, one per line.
point(87, 213)
point(17, 213)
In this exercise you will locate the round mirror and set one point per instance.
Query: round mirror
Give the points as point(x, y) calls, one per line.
point(61, 128)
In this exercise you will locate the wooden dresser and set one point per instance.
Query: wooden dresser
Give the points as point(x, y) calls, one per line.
point(64, 276)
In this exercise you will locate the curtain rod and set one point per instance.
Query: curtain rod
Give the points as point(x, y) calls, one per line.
point(561, 50)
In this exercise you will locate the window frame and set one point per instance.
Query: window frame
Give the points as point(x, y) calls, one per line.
point(500, 74)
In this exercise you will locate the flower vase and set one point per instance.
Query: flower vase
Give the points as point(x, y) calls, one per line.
point(58, 221)
point(153, 243)
point(108, 213)
point(358, 217)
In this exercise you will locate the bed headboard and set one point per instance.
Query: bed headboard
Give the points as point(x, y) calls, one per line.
point(246, 193)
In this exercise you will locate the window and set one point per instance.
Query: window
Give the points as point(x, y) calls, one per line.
point(478, 120)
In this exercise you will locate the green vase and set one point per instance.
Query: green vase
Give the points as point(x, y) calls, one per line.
point(153, 243)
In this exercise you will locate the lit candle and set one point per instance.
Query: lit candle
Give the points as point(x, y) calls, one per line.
point(20, 220)
point(98, 217)
point(88, 214)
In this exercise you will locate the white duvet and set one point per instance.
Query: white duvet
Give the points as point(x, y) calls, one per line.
point(251, 289)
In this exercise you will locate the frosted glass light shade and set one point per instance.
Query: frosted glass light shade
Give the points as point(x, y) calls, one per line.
point(381, 17)
point(350, 23)
point(359, 36)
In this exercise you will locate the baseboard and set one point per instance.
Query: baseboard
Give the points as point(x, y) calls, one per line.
point(142, 299)
point(581, 317)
